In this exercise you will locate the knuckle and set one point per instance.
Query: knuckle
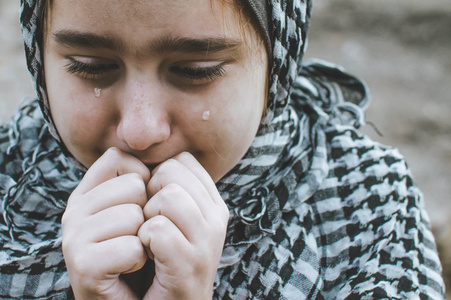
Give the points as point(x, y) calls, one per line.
point(71, 199)
point(69, 219)
point(225, 213)
point(135, 177)
point(184, 156)
point(219, 228)
point(135, 181)
point(167, 167)
point(226, 216)
point(113, 156)
point(135, 215)
point(77, 262)
point(173, 188)
point(137, 188)
point(135, 247)
point(113, 153)
point(219, 224)
point(83, 269)
point(157, 224)
point(65, 219)
point(170, 191)
point(65, 244)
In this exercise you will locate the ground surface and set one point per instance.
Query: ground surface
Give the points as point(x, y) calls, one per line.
point(401, 48)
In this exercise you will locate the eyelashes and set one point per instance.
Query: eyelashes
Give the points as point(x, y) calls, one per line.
point(90, 71)
point(179, 74)
point(199, 73)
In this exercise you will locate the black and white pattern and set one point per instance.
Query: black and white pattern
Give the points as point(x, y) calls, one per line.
point(318, 211)
point(35, 181)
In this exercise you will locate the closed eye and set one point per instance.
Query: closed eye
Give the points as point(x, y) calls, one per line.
point(90, 71)
point(198, 75)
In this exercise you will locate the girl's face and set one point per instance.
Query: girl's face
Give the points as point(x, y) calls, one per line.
point(154, 78)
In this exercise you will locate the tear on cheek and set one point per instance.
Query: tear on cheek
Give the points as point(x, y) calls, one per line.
point(97, 92)
point(206, 115)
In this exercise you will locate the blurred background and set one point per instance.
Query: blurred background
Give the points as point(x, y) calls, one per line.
point(400, 48)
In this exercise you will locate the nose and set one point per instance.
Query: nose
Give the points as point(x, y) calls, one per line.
point(144, 120)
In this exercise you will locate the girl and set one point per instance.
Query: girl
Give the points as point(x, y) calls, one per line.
point(185, 152)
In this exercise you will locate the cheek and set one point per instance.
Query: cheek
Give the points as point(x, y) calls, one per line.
point(79, 116)
point(237, 120)
point(83, 125)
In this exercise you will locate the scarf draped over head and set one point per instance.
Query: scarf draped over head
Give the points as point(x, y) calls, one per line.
point(32, 20)
point(287, 160)
point(282, 169)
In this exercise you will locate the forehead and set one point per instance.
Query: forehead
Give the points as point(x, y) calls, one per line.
point(136, 16)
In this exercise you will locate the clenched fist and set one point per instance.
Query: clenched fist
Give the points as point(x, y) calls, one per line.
point(120, 216)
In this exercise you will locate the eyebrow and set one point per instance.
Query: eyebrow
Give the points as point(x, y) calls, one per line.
point(70, 38)
point(76, 39)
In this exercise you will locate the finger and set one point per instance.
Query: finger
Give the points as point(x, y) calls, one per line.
point(173, 172)
point(124, 254)
point(165, 241)
point(174, 203)
point(188, 160)
point(192, 164)
point(128, 188)
point(116, 221)
point(113, 163)
point(116, 256)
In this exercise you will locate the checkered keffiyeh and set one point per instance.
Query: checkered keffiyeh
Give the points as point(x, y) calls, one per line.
point(318, 210)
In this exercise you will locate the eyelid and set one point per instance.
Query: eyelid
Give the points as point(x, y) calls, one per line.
point(98, 70)
point(199, 63)
point(75, 66)
point(196, 73)
point(91, 59)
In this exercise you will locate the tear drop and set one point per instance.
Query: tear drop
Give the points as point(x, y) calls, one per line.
point(97, 92)
point(206, 115)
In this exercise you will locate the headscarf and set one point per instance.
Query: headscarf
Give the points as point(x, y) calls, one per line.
point(279, 174)
point(285, 137)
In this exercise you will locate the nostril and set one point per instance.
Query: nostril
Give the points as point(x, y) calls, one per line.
point(141, 131)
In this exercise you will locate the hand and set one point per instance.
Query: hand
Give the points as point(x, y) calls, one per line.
point(184, 232)
point(100, 227)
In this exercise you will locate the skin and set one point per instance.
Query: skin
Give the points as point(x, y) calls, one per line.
point(152, 159)
point(144, 84)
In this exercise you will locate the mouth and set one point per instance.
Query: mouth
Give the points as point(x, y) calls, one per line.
point(151, 167)
point(154, 162)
